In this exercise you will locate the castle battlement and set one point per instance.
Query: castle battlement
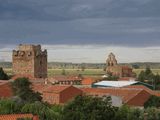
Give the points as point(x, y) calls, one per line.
point(25, 47)
point(30, 60)
point(29, 51)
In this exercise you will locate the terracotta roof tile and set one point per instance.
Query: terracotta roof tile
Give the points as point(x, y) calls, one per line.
point(87, 81)
point(135, 95)
point(39, 87)
point(140, 87)
point(56, 88)
point(139, 99)
point(152, 92)
point(16, 116)
point(124, 93)
point(6, 90)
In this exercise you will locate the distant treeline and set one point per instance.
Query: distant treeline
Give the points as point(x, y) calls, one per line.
point(59, 65)
point(5, 64)
point(76, 65)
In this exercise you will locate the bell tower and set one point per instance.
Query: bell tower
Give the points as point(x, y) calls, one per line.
point(111, 60)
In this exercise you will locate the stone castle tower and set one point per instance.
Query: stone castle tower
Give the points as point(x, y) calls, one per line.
point(30, 61)
point(111, 60)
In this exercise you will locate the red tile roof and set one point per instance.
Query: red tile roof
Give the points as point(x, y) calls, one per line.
point(39, 87)
point(140, 87)
point(88, 81)
point(16, 116)
point(5, 90)
point(49, 88)
point(139, 99)
point(56, 88)
point(126, 94)
point(152, 92)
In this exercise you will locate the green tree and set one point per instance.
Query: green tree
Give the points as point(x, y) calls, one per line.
point(127, 113)
point(22, 89)
point(148, 71)
point(146, 75)
point(9, 107)
point(156, 81)
point(3, 75)
point(42, 110)
point(153, 101)
point(142, 76)
point(89, 108)
point(152, 114)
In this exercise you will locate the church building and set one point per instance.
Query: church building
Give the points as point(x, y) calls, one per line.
point(117, 70)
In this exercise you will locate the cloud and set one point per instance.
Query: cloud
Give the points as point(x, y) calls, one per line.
point(80, 22)
point(92, 53)
point(119, 32)
point(60, 10)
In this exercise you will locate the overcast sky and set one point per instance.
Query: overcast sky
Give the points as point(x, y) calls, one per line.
point(83, 30)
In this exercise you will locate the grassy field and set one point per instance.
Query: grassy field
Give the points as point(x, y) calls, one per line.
point(86, 72)
point(53, 72)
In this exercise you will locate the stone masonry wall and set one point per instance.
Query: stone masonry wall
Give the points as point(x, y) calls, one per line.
point(30, 60)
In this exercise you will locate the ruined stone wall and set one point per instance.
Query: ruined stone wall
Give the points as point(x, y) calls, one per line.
point(41, 64)
point(30, 60)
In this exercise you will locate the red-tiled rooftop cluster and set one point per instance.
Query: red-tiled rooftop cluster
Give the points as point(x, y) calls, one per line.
point(135, 95)
point(129, 96)
point(16, 116)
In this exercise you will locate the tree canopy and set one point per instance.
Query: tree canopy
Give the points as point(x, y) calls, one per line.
point(3, 75)
point(150, 78)
point(146, 75)
point(153, 101)
point(89, 108)
point(22, 89)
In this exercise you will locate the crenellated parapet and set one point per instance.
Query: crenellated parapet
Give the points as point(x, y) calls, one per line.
point(30, 60)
